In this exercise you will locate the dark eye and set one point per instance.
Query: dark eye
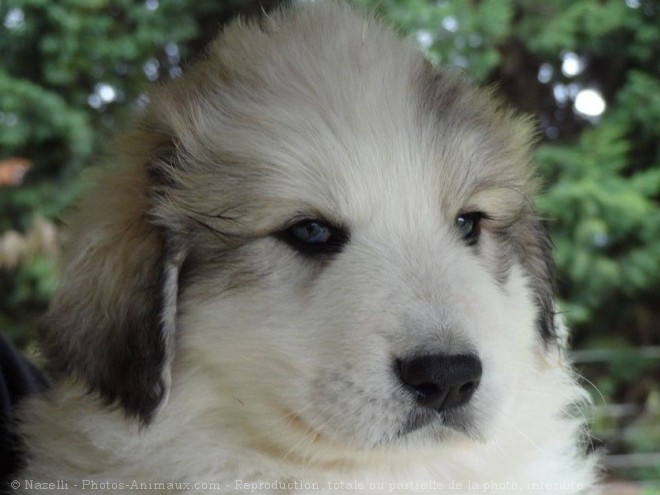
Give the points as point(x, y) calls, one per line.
point(469, 226)
point(314, 237)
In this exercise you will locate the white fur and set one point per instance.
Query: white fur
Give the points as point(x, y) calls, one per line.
point(288, 376)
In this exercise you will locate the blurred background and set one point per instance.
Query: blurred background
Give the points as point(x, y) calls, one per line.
point(74, 72)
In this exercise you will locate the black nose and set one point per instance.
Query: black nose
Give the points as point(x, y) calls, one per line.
point(441, 381)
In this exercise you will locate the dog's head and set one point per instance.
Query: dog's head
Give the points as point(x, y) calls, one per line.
point(324, 227)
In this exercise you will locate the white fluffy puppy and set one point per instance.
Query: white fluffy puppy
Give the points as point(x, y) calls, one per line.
point(316, 266)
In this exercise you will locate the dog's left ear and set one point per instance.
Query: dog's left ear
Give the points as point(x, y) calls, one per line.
point(111, 324)
point(536, 248)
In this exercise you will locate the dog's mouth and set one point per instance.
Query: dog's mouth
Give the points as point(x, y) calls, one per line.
point(421, 424)
point(417, 419)
point(443, 423)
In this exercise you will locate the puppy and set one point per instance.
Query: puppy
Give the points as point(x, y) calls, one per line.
point(315, 266)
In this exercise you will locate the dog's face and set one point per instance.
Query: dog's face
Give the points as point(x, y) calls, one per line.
point(340, 240)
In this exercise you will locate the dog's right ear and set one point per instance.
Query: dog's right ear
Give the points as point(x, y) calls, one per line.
point(111, 324)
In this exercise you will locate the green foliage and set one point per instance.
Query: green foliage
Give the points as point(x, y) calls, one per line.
point(28, 292)
point(605, 221)
point(453, 32)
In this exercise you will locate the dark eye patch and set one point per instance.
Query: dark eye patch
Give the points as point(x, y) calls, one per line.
point(313, 237)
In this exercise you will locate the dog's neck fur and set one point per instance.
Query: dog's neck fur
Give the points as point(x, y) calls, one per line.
point(188, 442)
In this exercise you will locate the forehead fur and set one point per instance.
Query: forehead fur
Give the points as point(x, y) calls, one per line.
point(321, 93)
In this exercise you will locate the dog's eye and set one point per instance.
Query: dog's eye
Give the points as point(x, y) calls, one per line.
point(314, 237)
point(469, 225)
point(311, 232)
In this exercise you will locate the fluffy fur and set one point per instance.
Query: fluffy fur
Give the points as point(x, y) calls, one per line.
point(216, 353)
